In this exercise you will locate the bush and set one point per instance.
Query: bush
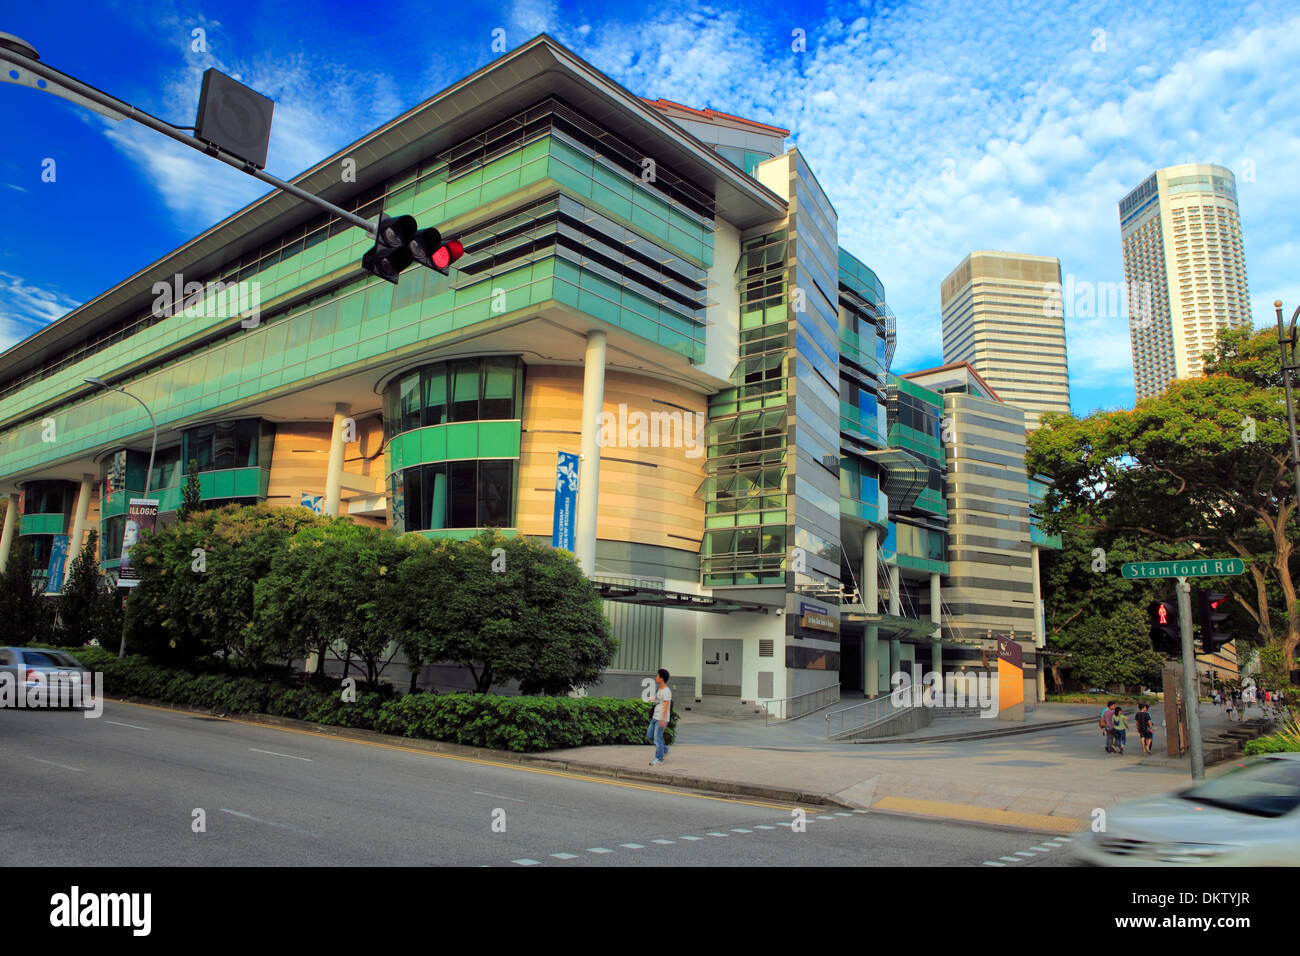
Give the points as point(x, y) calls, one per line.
point(519, 724)
point(1286, 740)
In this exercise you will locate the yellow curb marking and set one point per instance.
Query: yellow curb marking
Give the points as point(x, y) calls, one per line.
point(486, 763)
point(963, 811)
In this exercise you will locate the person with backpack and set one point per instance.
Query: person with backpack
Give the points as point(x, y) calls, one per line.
point(1143, 721)
point(1120, 723)
point(659, 717)
point(1107, 727)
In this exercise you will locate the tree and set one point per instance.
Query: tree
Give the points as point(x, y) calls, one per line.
point(192, 500)
point(505, 608)
point(87, 608)
point(1113, 649)
point(1205, 465)
point(27, 615)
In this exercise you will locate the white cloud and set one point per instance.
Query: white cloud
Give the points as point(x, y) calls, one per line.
point(25, 309)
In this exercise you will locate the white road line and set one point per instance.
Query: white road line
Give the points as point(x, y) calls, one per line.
point(841, 813)
point(598, 849)
point(1044, 847)
point(691, 838)
point(825, 817)
point(501, 797)
point(1066, 839)
point(527, 862)
point(714, 833)
point(993, 863)
point(1023, 853)
point(61, 766)
point(269, 823)
point(664, 842)
point(563, 856)
point(740, 830)
point(274, 754)
point(632, 846)
point(763, 826)
point(1010, 859)
point(118, 723)
point(861, 811)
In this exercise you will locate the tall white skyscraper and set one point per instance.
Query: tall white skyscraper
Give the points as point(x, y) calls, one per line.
point(1186, 270)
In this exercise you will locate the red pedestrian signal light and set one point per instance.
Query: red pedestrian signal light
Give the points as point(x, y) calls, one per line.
point(1164, 629)
point(1212, 613)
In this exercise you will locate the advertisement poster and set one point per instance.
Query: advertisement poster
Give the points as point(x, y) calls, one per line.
point(58, 559)
point(566, 500)
point(141, 517)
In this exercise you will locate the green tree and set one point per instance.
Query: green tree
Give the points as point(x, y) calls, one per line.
point(1113, 649)
point(1205, 466)
point(26, 614)
point(505, 608)
point(192, 497)
point(87, 608)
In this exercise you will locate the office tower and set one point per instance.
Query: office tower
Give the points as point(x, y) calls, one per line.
point(1185, 268)
point(1001, 313)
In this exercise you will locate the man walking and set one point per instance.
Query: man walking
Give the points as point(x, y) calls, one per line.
point(659, 719)
point(1106, 723)
point(1143, 721)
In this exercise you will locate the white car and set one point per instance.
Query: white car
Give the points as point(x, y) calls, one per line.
point(1248, 816)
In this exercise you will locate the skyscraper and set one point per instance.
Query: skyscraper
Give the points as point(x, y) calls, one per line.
point(1185, 268)
point(1001, 314)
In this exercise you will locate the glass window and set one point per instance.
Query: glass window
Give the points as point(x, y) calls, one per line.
point(495, 493)
point(464, 393)
point(435, 395)
point(499, 388)
point(434, 484)
point(166, 468)
point(462, 509)
point(413, 500)
point(409, 401)
point(224, 446)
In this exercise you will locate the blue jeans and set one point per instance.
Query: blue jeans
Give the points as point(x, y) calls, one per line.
point(1121, 737)
point(655, 732)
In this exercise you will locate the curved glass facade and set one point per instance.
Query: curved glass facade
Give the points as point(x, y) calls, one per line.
point(449, 477)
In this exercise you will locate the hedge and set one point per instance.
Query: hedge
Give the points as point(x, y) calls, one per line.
point(520, 724)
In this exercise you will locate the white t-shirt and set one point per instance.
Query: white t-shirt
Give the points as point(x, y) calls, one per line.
point(664, 696)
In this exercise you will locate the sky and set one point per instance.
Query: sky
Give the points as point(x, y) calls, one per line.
point(936, 128)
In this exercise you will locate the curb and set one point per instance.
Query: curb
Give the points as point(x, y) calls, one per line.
point(539, 761)
point(978, 734)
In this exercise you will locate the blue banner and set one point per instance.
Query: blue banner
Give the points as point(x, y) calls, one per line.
point(58, 559)
point(566, 500)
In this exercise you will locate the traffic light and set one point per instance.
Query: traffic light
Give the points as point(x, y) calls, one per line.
point(391, 252)
point(428, 249)
point(1164, 627)
point(1212, 611)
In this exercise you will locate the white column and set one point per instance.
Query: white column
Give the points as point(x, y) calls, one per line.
point(936, 638)
point(11, 528)
point(333, 476)
point(79, 519)
point(593, 403)
point(871, 605)
point(895, 643)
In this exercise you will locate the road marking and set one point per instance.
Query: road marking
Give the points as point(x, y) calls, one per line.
point(598, 849)
point(1066, 839)
point(841, 813)
point(1010, 859)
point(993, 863)
point(825, 817)
point(1044, 847)
point(118, 723)
point(632, 846)
point(527, 862)
point(478, 760)
point(691, 838)
point(861, 811)
point(716, 834)
point(269, 823)
point(562, 856)
point(763, 826)
point(62, 766)
point(666, 842)
point(1023, 853)
point(740, 830)
point(274, 754)
point(500, 797)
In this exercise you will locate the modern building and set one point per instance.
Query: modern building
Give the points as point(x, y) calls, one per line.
point(993, 584)
point(657, 288)
point(1185, 268)
point(1002, 313)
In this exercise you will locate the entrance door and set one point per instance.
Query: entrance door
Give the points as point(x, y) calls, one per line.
point(722, 667)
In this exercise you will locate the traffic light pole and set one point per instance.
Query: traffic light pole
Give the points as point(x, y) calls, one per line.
point(1191, 680)
point(114, 105)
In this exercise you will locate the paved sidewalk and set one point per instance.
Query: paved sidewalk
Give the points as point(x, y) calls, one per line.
point(1051, 780)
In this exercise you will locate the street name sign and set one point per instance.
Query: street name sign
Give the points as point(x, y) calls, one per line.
point(1198, 568)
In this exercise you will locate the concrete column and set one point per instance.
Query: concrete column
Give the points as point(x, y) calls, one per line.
point(1040, 635)
point(895, 643)
point(871, 604)
point(334, 470)
point(593, 403)
point(936, 618)
point(11, 529)
point(79, 519)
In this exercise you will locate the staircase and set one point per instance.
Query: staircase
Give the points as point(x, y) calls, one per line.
point(727, 708)
point(1232, 741)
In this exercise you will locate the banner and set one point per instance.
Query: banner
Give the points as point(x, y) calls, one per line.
point(1011, 680)
point(566, 500)
point(58, 561)
point(141, 517)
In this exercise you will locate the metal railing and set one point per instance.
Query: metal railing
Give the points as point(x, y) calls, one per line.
point(848, 720)
point(800, 705)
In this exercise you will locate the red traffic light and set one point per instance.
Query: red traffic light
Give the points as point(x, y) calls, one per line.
point(1163, 612)
point(445, 255)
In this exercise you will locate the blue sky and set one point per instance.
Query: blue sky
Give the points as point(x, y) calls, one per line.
point(936, 128)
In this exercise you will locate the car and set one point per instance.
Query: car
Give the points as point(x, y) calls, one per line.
point(60, 677)
point(1095, 690)
point(1248, 816)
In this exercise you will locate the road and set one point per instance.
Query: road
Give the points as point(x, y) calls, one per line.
point(145, 786)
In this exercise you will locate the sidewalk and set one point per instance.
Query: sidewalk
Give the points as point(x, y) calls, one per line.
point(1051, 780)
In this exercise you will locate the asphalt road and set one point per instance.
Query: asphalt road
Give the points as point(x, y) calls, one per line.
point(132, 787)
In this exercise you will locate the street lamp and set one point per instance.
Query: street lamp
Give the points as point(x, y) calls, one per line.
point(148, 475)
point(1284, 339)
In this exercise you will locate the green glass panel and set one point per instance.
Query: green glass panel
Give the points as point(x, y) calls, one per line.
point(433, 444)
point(462, 440)
point(499, 439)
point(223, 484)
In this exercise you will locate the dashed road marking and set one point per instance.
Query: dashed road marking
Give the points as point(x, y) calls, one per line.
point(598, 849)
point(527, 862)
point(562, 856)
point(632, 846)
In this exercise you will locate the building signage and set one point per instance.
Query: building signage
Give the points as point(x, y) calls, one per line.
point(58, 559)
point(1200, 568)
point(819, 622)
point(566, 501)
point(1011, 680)
point(141, 517)
point(805, 608)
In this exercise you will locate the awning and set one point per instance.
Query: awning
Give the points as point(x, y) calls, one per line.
point(659, 597)
point(905, 476)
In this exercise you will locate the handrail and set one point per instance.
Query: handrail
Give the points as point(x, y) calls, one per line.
point(861, 716)
point(821, 697)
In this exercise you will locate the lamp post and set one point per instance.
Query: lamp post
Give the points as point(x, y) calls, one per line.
point(148, 475)
point(1284, 339)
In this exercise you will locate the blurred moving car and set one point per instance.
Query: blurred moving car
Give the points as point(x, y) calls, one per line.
point(60, 677)
point(1248, 816)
